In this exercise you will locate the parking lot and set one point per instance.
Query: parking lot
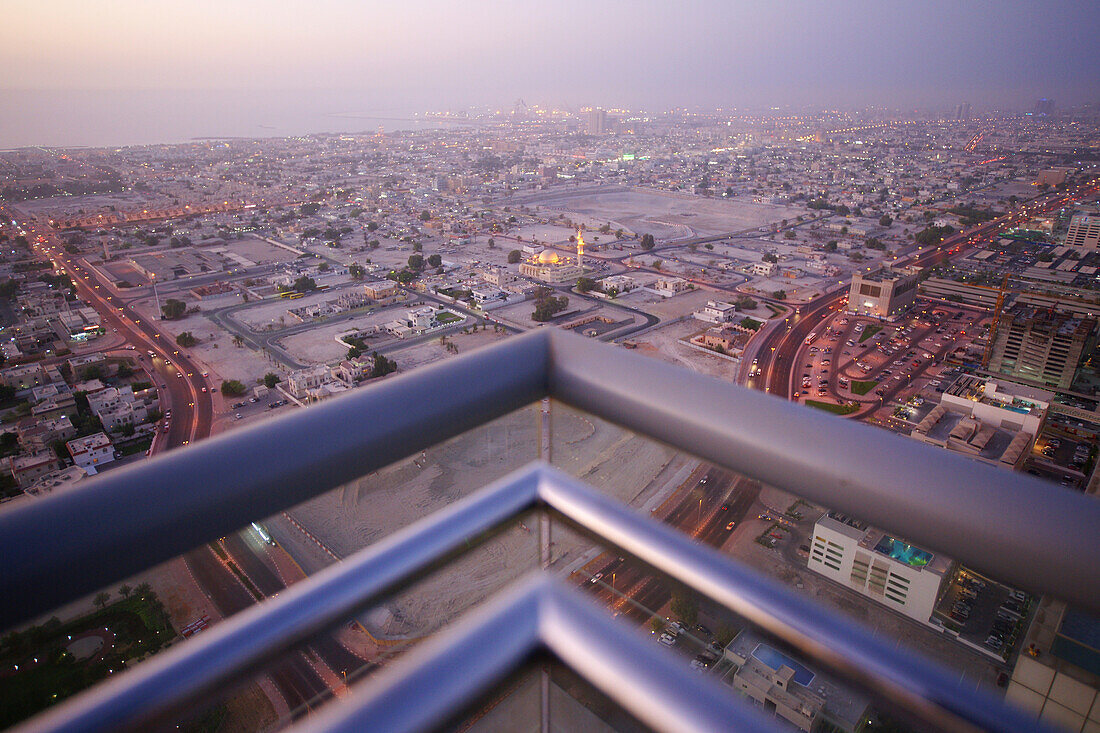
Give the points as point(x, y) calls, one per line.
point(983, 612)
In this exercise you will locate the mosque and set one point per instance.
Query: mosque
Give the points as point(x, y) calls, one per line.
point(550, 267)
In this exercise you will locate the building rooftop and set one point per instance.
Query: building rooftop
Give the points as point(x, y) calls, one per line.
point(838, 700)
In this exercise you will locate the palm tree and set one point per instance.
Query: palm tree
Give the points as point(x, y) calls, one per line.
point(101, 599)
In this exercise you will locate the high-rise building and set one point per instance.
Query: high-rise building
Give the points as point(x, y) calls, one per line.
point(962, 111)
point(883, 293)
point(1044, 107)
point(597, 121)
point(1040, 345)
point(1084, 231)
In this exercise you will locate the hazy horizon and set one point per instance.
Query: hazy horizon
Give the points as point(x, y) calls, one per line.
point(370, 57)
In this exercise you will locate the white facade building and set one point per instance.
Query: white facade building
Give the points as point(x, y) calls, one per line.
point(716, 311)
point(884, 568)
point(91, 451)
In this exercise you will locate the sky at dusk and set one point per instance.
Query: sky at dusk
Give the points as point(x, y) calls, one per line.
point(436, 54)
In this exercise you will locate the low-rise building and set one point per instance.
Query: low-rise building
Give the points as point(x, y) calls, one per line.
point(796, 693)
point(670, 286)
point(379, 289)
point(883, 293)
point(716, 311)
point(28, 468)
point(23, 376)
point(117, 407)
point(886, 569)
point(91, 451)
point(764, 269)
point(37, 434)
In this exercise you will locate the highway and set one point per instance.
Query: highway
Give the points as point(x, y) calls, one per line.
point(704, 513)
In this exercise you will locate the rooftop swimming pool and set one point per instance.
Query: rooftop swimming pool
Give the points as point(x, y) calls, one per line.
point(902, 552)
point(776, 659)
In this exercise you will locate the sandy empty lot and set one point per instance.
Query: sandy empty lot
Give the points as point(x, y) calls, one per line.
point(669, 215)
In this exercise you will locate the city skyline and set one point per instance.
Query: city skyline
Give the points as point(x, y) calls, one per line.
point(339, 57)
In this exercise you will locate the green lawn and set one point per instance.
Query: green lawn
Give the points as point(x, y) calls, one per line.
point(139, 624)
point(140, 446)
point(446, 317)
point(835, 409)
point(864, 386)
point(869, 332)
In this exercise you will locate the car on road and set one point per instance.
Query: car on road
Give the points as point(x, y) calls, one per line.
point(667, 639)
point(237, 416)
point(595, 577)
point(730, 526)
point(237, 405)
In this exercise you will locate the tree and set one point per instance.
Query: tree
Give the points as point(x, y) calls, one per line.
point(780, 295)
point(127, 430)
point(514, 256)
point(305, 284)
point(418, 247)
point(435, 260)
point(416, 262)
point(173, 309)
point(425, 215)
point(186, 339)
point(371, 226)
point(101, 598)
point(647, 242)
point(382, 366)
point(88, 373)
point(124, 371)
point(830, 246)
point(356, 271)
point(547, 305)
point(125, 590)
point(684, 607)
point(492, 243)
point(232, 388)
point(323, 267)
point(769, 257)
point(271, 379)
point(657, 624)
point(586, 284)
point(885, 220)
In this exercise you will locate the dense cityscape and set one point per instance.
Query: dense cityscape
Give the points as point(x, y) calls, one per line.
point(894, 284)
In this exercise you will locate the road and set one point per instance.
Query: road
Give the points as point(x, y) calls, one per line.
point(180, 383)
point(703, 513)
point(778, 351)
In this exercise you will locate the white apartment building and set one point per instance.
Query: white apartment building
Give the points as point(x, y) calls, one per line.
point(886, 569)
point(91, 451)
point(116, 407)
point(716, 311)
point(764, 269)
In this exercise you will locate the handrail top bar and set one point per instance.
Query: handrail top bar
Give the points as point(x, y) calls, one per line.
point(977, 514)
point(239, 644)
point(540, 614)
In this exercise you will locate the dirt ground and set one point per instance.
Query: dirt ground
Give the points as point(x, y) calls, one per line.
point(668, 215)
point(364, 511)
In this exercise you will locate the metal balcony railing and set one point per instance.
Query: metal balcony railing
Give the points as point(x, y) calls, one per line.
point(1029, 533)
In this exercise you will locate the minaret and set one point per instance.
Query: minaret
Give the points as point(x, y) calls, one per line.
point(580, 250)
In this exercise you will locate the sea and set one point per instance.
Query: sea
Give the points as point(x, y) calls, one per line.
point(148, 117)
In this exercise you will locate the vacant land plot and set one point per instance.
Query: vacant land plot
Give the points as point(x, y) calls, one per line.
point(669, 215)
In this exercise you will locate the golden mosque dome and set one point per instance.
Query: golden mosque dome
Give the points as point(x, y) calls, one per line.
point(548, 257)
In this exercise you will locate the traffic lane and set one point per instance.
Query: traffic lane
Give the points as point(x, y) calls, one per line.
point(297, 682)
point(636, 581)
point(244, 547)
